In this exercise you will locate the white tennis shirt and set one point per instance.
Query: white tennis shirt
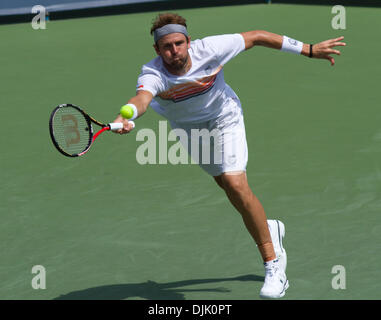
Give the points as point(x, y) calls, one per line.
point(200, 94)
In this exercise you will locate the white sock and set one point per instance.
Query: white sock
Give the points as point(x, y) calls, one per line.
point(271, 262)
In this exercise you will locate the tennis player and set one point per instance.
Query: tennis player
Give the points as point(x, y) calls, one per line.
point(185, 84)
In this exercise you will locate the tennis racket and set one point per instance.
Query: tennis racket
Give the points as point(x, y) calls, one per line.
point(72, 132)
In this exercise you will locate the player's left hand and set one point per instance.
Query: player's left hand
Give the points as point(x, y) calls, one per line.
point(324, 49)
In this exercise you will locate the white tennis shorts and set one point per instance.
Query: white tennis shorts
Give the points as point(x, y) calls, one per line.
point(218, 145)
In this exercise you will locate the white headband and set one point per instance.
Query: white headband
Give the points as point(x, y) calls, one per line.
point(167, 29)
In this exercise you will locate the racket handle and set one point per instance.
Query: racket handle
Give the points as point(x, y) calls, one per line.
point(118, 125)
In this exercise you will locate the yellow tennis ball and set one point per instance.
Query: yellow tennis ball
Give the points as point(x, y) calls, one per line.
point(126, 111)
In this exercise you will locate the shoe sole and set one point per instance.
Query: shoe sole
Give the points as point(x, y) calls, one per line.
point(281, 233)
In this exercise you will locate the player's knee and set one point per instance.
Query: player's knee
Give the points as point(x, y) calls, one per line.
point(234, 184)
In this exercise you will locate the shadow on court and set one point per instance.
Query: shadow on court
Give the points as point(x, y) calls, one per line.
point(151, 290)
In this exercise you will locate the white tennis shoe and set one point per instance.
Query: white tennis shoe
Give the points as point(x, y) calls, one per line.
point(276, 282)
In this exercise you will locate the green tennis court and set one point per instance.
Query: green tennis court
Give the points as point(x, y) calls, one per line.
point(105, 227)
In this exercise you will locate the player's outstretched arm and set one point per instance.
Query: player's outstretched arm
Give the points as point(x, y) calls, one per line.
point(141, 102)
point(321, 50)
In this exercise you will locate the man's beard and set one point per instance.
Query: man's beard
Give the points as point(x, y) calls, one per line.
point(178, 64)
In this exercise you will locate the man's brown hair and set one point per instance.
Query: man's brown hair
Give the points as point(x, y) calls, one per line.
point(163, 19)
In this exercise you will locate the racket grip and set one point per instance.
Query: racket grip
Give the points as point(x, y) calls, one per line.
point(118, 125)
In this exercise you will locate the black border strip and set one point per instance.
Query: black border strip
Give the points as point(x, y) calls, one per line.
point(239, 309)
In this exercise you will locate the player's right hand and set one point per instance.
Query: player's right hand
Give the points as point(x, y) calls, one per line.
point(127, 125)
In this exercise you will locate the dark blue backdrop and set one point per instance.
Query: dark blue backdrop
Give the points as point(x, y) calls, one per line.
point(13, 11)
point(25, 6)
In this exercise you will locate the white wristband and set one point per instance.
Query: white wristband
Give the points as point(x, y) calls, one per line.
point(291, 45)
point(135, 115)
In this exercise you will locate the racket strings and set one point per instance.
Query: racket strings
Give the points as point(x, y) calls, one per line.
point(71, 130)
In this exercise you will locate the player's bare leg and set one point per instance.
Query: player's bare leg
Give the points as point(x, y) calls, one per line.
point(241, 196)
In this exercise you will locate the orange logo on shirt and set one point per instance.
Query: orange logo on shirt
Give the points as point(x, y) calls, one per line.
point(188, 90)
